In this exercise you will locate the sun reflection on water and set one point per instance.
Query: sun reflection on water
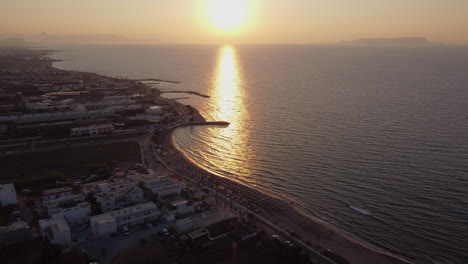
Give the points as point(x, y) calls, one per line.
point(229, 105)
point(227, 88)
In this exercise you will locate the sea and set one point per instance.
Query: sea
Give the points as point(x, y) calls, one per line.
point(372, 140)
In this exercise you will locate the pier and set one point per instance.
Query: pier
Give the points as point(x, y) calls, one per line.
point(153, 80)
point(187, 92)
point(212, 123)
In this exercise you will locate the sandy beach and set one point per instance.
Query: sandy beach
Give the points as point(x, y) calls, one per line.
point(311, 230)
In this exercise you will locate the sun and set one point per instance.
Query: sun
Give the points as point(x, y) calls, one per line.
point(227, 15)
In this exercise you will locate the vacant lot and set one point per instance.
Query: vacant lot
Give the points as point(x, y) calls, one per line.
point(69, 163)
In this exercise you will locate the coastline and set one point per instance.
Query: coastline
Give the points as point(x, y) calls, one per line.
point(312, 229)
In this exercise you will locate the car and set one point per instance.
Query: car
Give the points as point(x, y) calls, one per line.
point(288, 243)
point(163, 232)
point(276, 237)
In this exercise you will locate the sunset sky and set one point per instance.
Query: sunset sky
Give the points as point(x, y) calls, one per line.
point(256, 21)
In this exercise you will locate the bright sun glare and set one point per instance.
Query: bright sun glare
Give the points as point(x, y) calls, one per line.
point(227, 15)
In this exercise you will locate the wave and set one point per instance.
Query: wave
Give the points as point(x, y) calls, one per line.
point(360, 210)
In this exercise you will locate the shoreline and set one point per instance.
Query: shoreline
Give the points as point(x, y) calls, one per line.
point(312, 228)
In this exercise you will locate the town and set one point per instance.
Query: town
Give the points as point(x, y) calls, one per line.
point(126, 198)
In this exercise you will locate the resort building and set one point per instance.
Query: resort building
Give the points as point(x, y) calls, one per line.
point(72, 207)
point(102, 225)
point(164, 187)
point(7, 194)
point(116, 220)
point(56, 230)
point(76, 214)
point(178, 207)
point(118, 198)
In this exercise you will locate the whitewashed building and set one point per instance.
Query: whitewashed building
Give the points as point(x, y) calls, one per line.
point(176, 208)
point(103, 224)
point(7, 194)
point(118, 198)
point(164, 187)
point(63, 202)
point(56, 230)
point(130, 216)
point(77, 214)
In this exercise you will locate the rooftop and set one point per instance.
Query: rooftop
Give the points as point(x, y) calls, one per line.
point(9, 187)
point(198, 233)
point(179, 202)
point(57, 224)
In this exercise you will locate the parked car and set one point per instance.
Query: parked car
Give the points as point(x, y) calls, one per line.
point(164, 232)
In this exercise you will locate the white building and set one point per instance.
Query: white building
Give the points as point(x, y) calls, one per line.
point(118, 198)
point(164, 187)
point(57, 193)
point(92, 130)
point(103, 224)
point(62, 202)
point(56, 230)
point(177, 208)
point(130, 216)
point(77, 214)
point(182, 206)
point(7, 194)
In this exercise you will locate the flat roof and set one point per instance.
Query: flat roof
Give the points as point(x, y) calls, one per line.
point(9, 187)
point(55, 224)
point(179, 202)
point(102, 218)
point(198, 233)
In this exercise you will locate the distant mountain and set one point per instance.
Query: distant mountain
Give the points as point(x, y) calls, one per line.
point(13, 42)
point(46, 38)
point(404, 41)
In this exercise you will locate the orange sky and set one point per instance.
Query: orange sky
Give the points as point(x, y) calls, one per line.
point(267, 21)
